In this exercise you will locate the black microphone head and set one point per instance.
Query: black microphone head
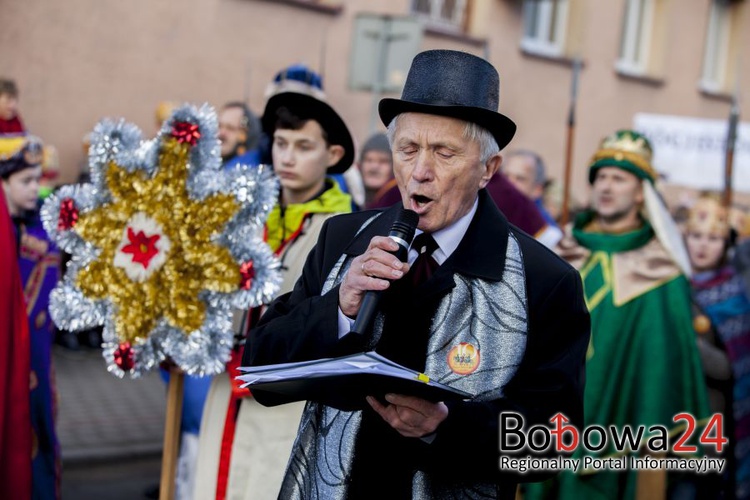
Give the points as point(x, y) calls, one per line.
point(402, 232)
point(405, 225)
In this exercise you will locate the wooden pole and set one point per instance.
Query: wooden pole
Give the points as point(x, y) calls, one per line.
point(734, 116)
point(651, 484)
point(565, 213)
point(171, 434)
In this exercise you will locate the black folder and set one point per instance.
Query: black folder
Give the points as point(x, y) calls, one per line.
point(344, 382)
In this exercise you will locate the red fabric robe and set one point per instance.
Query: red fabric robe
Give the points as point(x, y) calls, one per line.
point(15, 418)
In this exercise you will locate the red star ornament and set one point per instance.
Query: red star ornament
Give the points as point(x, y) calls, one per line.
point(142, 247)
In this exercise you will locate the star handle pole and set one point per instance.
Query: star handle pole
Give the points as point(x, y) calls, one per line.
point(171, 434)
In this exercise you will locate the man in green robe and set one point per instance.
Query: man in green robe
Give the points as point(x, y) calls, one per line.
point(643, 366)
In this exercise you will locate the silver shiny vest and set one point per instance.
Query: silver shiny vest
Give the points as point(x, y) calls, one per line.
point(322, 455)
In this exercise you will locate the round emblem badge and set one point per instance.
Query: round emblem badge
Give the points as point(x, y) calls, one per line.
point(463, 359)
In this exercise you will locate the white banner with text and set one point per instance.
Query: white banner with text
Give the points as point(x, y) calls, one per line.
point(692, 151)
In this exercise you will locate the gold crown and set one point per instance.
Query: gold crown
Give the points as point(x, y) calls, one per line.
point(629, 150)
point(28, 146)
point(709, 215)
point(11, 146)
point(628, 142)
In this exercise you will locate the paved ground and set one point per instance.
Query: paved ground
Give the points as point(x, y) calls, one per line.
point(123, 479)
point(110, 430)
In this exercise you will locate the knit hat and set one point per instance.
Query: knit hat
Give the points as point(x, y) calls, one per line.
point(18, 153)
point(625, 149)
point(296, 78)
point(376, 142)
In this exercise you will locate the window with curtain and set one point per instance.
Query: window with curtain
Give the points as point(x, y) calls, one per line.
point(545, 26)
point(446, 14)
point(637, 31)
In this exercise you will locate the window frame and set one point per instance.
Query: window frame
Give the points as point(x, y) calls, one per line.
point(434, 18)
point(636, 38)
point(716, 47)
point(546, 20)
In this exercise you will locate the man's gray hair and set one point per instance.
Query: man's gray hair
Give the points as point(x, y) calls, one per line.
point(487, 144)
point(540, 171)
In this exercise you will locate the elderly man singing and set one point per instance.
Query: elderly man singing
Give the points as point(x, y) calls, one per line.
point(479, 305)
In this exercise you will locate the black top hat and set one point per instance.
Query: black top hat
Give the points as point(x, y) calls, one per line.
point(308, 107)
point(454, 84)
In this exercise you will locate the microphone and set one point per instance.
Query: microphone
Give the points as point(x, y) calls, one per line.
point(402, 232)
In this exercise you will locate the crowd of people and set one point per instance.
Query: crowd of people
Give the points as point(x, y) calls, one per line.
point(625, 317)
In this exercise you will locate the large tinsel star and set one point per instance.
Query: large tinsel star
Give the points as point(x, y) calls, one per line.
point(164, 244)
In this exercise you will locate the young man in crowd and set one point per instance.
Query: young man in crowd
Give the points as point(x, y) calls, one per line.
point(244, 447)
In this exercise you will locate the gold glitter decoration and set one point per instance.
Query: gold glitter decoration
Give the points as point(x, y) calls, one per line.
point(194, 262)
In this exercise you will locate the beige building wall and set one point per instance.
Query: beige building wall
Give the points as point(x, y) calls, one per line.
point(80, 60)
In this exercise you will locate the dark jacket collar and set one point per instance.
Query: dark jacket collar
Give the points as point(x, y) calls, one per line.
point(481, 253)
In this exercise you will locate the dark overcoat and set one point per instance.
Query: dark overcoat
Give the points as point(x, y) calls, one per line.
point(303, 325)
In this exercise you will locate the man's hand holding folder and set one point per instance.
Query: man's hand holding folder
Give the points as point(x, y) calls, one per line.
point(345, 382)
